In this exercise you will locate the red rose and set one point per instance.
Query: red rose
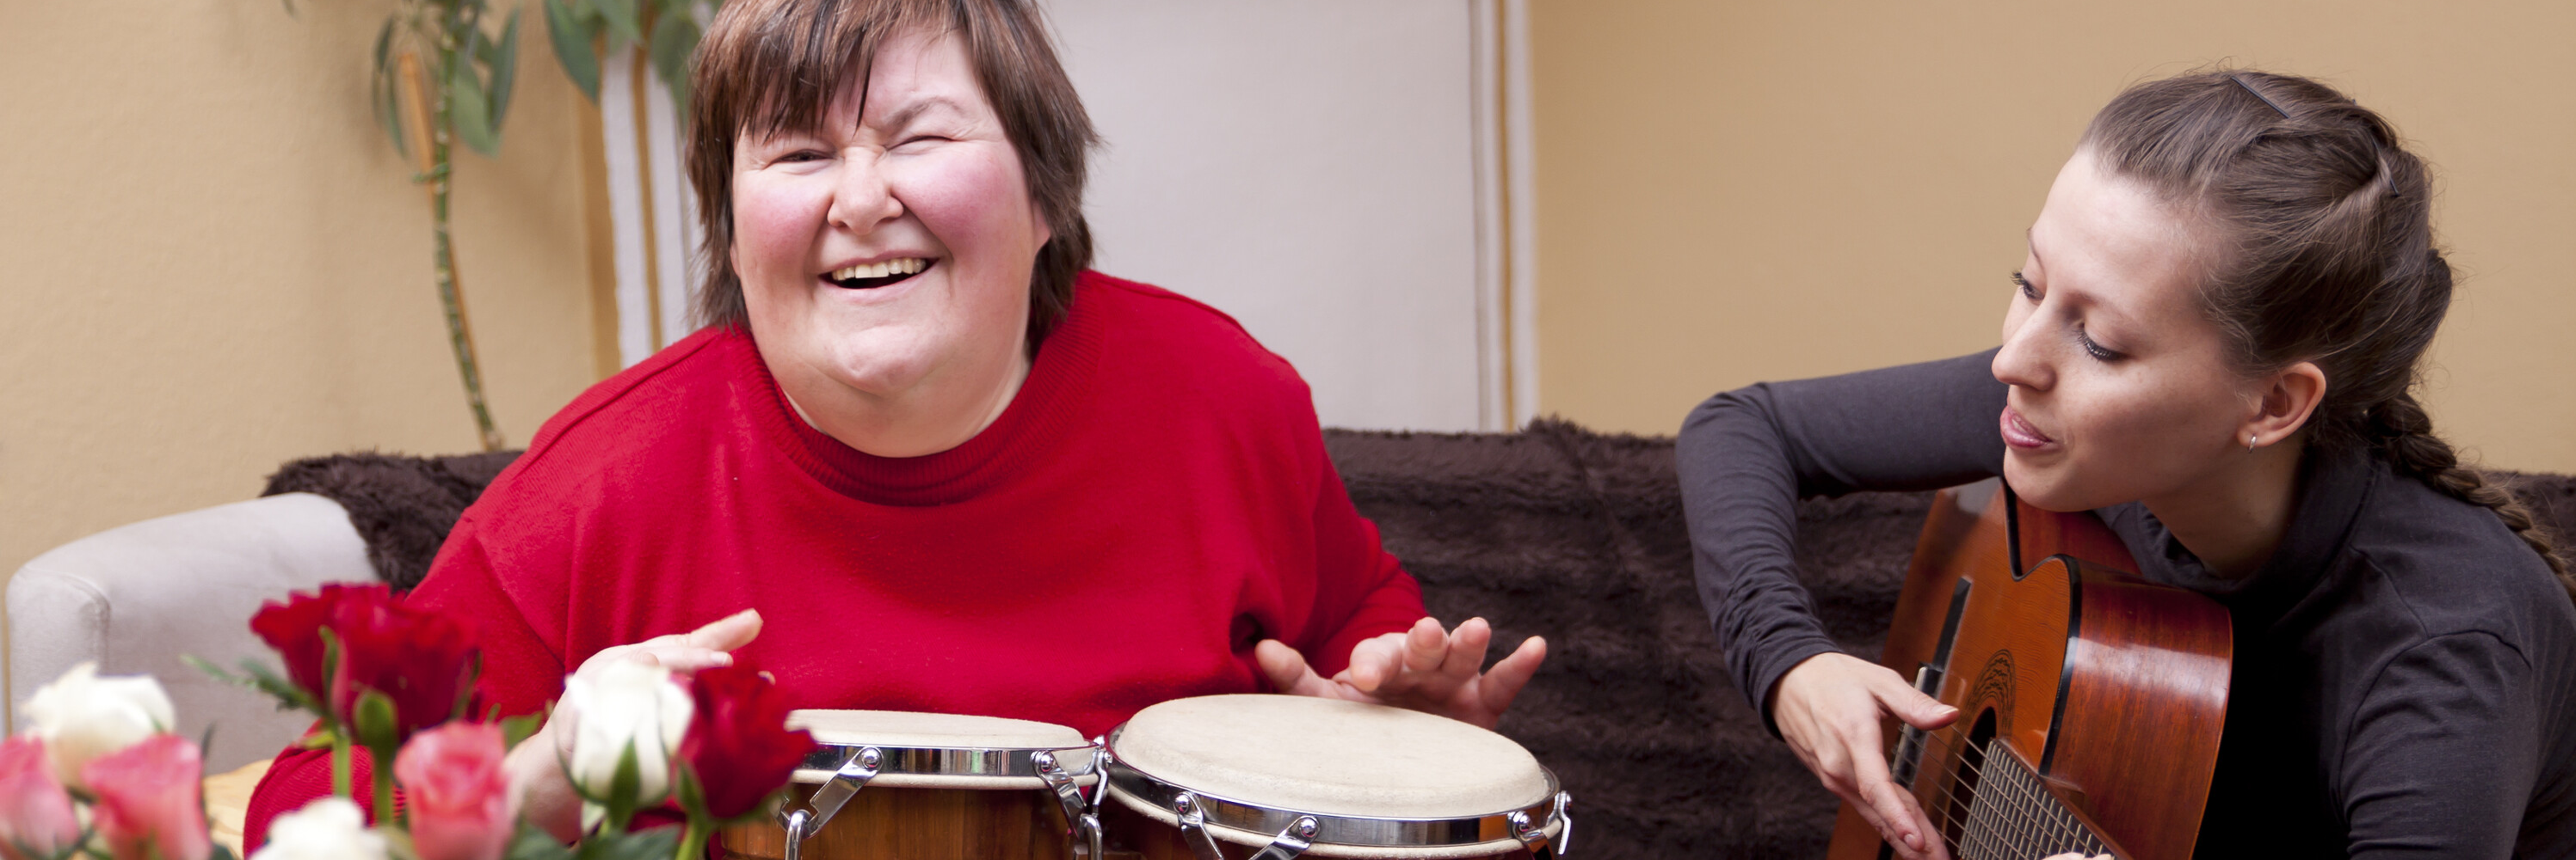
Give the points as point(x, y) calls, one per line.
point(738, 746)
point(149, 800)
point(294, 628)
point(421, 660)
point(459, 797)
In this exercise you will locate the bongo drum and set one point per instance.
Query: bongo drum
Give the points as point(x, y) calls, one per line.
point(1274, 777)
point(930, 787)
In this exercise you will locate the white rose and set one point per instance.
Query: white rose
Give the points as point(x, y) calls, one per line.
point(627, 704)
point(330, 828)
point(81, 716)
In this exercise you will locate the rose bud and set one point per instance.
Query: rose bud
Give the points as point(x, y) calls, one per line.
point(294, 629)
point(458, 794)
point(421, 660)
point(628, 705)
point(738, 745)
point(35, 812)
point(329, 828)
point(150, 804)
point(82, 716)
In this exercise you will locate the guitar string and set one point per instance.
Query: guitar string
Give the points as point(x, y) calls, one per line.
point(2033, 821)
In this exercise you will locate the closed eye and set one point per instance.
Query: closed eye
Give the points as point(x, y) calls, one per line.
point(2027, 291)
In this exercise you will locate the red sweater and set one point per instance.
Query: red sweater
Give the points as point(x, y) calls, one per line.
point(1155, 500)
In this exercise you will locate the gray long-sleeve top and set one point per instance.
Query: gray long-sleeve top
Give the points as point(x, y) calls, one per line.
point(2405, 674)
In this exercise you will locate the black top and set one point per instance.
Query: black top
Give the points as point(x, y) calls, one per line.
point(2405, 673)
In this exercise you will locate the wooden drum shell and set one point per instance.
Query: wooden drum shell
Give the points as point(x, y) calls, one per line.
point(882, 823)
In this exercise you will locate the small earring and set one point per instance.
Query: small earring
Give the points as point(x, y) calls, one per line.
point(2250, 439)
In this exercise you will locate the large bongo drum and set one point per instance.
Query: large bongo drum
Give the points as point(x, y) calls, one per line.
point(890, 784)
point(1274, 777)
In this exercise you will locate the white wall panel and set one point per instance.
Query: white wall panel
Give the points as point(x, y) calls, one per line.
point(1308, 167)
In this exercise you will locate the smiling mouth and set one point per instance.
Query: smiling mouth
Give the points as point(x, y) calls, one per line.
point(869, 276)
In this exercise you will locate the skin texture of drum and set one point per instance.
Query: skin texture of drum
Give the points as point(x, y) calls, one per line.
point(1384, 783)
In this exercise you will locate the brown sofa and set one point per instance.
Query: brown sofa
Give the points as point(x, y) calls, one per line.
point(1552, 531)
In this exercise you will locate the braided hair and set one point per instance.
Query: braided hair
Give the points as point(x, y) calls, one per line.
point(2326, 253)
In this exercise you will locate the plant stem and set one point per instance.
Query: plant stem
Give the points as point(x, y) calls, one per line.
point(340, 764)
point(693, 840)
point(440, 169)
point(383, 771)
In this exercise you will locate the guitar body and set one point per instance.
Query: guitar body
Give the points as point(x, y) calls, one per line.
point(2090, 701)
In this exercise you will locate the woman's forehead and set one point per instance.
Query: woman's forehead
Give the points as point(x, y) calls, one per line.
point(2116, 241)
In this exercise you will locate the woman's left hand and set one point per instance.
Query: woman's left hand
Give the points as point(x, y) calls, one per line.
point(1428, 669)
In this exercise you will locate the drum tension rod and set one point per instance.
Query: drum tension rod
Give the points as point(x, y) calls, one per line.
point(1288, 845)
point(853, 774)
point(1081, 823)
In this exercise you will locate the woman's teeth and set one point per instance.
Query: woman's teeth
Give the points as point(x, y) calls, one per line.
point(902, 266)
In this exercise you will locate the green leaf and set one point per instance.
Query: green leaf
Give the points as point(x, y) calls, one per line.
point(572, 39)
point(532, 843)
point(382, 90)
point(625, 20)
point(674, 37)
point(503, 60)
point(623, 789)
point(468, 112)
point(520, 728)
point(655, 844)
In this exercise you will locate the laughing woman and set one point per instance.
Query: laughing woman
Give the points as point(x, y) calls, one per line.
point(921, 458)
point(2213, 344)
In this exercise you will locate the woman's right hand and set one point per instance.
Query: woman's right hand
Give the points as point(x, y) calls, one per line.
point(1828, 708)
point(536, 765)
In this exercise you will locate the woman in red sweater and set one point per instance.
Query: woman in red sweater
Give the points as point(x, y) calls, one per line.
point(920, 458)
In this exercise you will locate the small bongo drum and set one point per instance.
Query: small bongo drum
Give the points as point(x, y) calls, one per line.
point(937, 787)
point(1274, 777)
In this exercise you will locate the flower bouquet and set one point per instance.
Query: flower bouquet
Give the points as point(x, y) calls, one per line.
point(400, 682)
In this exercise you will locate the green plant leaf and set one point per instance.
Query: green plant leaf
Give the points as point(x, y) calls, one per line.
point(503, 60)
point(625, 20)
point(573, 38)
point(674, 37)
point(531, 843)
point(383, 91)
point(468, 111)
point(623, 788)
point(520, 728)
point(655, 844)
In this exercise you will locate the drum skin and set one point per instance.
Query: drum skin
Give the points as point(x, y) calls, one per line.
point(881, 823)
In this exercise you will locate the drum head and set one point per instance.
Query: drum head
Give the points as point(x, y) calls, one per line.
point(940, 750)
point(1332, 757)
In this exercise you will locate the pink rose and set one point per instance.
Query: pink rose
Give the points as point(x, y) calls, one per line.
point(149, 803)
point(35, 812)
point(460, 799)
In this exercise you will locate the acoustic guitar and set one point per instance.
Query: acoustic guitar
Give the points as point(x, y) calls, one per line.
point(2090, 701)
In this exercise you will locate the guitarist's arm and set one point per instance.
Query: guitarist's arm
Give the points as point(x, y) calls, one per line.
point(2444, 751)
point(1745, 458)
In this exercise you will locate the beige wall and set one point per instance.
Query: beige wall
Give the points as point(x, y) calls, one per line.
point(216, 263)
point(1767, 189)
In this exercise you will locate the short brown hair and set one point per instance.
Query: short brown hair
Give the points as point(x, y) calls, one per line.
point(774, 65)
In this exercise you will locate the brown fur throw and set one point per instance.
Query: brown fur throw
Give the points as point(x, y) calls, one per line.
point(1554, 531)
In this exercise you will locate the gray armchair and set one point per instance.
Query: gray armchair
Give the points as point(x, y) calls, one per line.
point(136, 597)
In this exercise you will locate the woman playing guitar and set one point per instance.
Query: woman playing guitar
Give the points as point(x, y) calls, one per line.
point(2211, 345)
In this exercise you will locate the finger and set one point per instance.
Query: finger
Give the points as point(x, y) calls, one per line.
point(1376, 660)
point(1503, 683)
point(1467, 648)
point(727, 633)
point(1288, 671)
point(1869, 776)
point(1909, 704)
point(1426, 645)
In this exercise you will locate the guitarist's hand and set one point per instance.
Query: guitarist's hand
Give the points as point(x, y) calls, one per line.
point(1828, 708)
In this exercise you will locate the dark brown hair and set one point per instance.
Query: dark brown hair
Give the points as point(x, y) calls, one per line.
point(2325, 252)
point(774, 65)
